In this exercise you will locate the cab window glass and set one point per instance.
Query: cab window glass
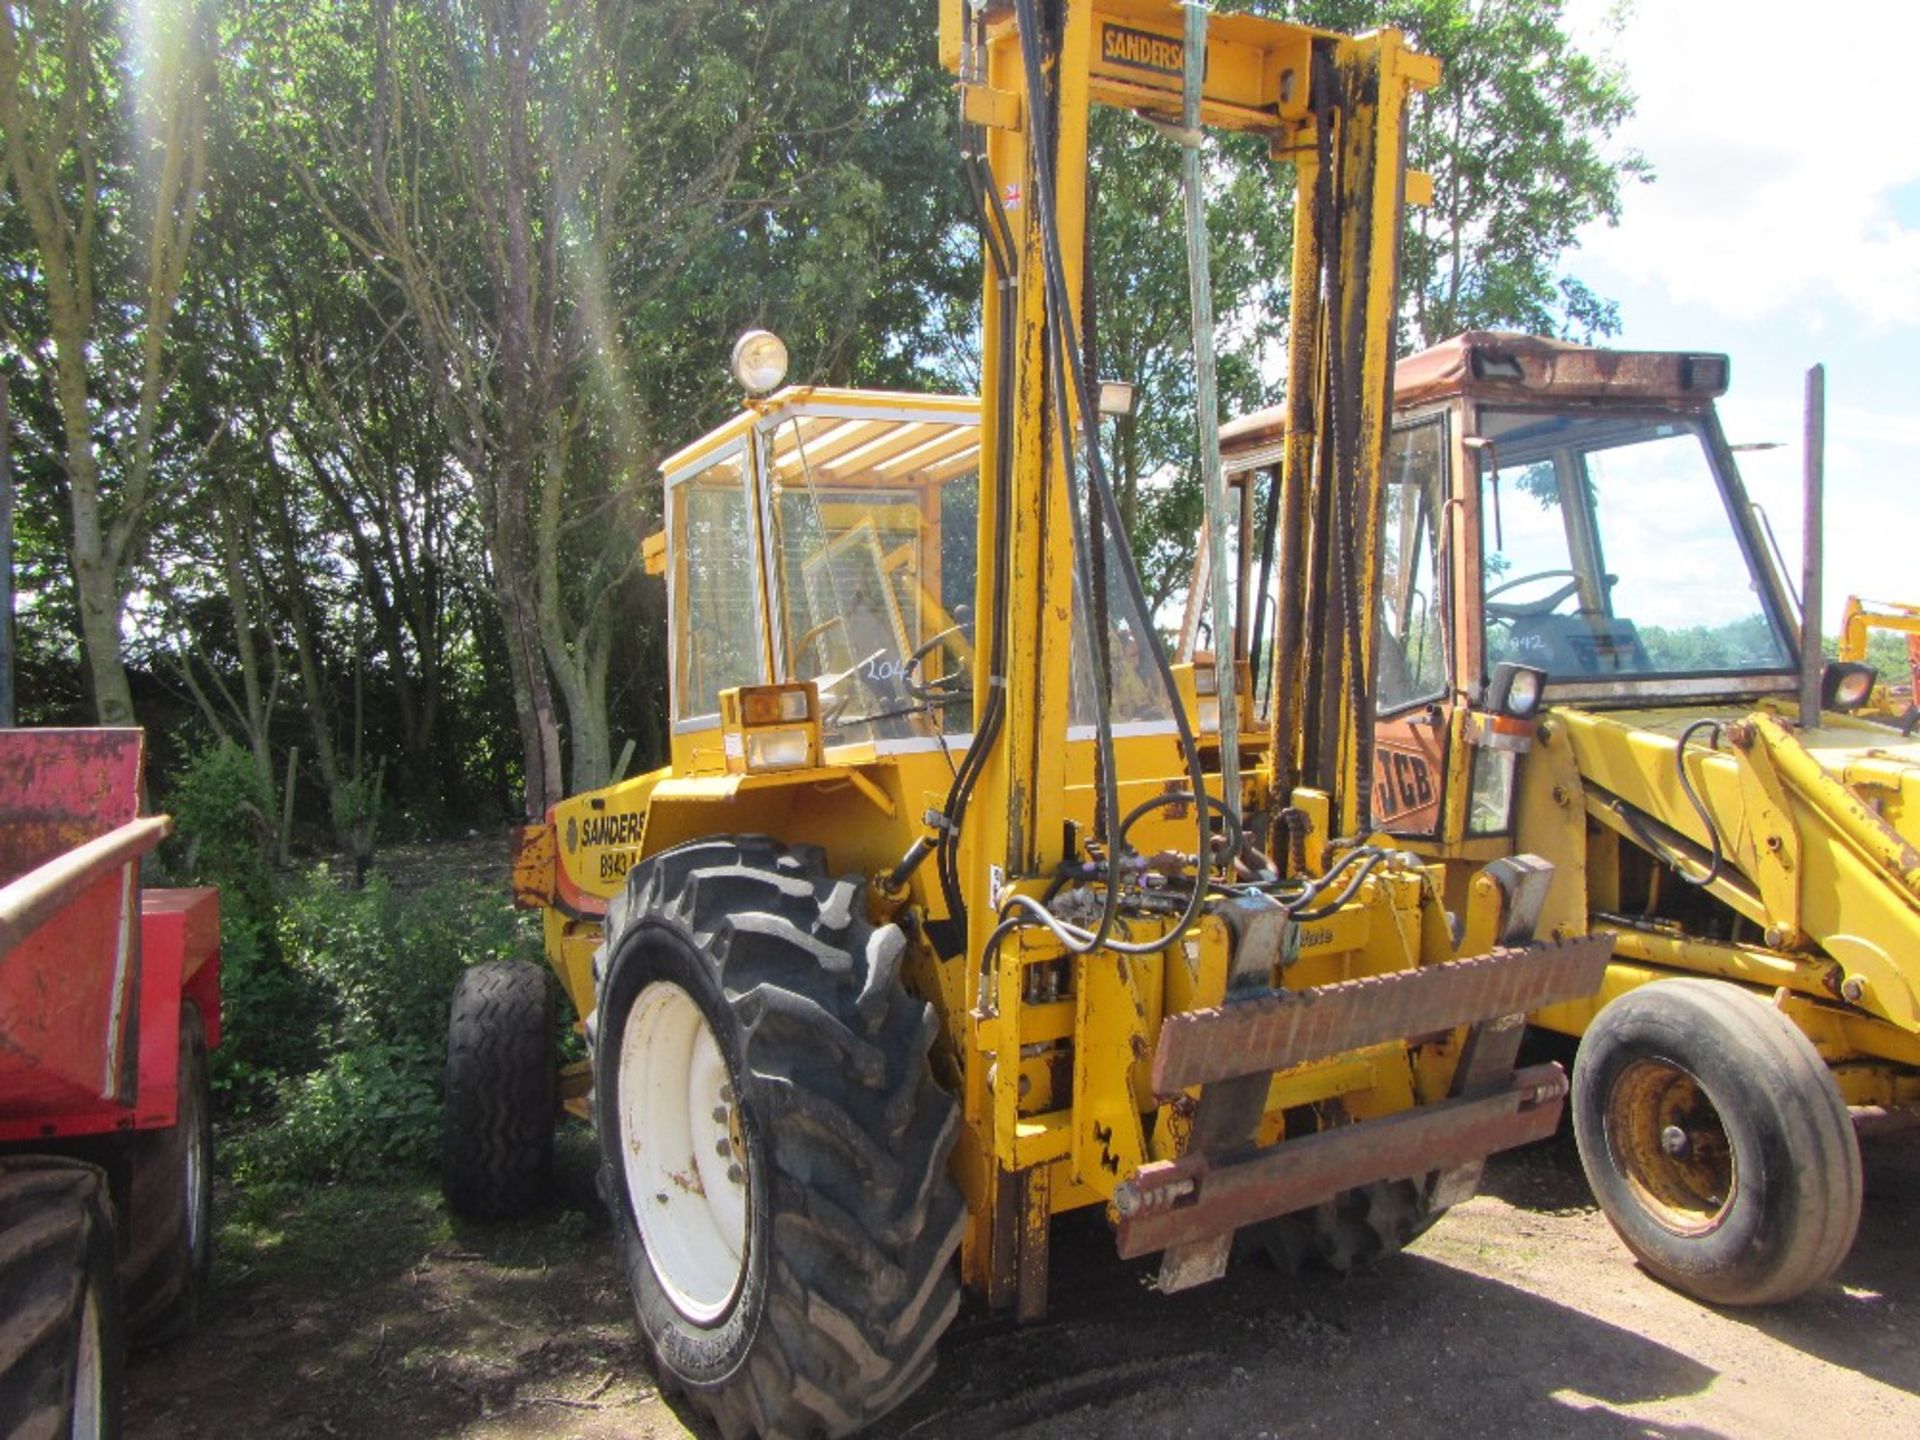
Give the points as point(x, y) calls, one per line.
point(714, 584)
point(1411, 663)
point(874, 525)
point(1611, 548)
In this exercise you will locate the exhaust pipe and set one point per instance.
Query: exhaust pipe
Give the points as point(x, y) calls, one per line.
point(1812, 657)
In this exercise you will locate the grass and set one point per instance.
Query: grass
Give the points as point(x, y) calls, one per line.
point(285, 1231)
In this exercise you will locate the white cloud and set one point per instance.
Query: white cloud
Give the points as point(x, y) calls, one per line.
point(1779, 143)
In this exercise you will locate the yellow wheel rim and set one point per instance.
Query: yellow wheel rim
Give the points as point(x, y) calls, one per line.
point(1669, 1143)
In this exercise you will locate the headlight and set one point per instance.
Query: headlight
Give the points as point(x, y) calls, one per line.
point(1516, 689)
point(759, 361)
point(1845, 686)
point(774, 705)
point(1116, 397)
point(779, 749)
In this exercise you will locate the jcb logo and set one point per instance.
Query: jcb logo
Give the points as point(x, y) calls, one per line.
point(1142, 51)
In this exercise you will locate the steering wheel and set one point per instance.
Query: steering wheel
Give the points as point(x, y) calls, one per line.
point(945, 689)
point(1528, 609)
point(835, 701)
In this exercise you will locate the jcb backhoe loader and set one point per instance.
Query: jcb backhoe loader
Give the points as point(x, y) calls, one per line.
point(1896, 698)
point(1588, 654)
point(941, 921)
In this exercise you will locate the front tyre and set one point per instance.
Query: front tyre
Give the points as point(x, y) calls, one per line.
point(774, 1144)
point(1716, 1142)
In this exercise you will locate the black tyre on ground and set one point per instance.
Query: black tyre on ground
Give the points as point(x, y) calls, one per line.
point(169, 1213)
point(60, 1334)
point(1716, 1142)
point(774, 1145)
point(1355, 1230)
point(502, 1095)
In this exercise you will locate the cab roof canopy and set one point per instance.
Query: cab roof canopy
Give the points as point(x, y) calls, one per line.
point(1492, 365)
point(849, 436)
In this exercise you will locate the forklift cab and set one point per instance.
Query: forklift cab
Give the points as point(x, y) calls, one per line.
point(1558, 523)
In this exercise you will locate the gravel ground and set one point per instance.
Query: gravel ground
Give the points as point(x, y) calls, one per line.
point(367, 1313)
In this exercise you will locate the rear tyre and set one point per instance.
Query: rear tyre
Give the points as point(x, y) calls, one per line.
point(502, 1093)
point(60, 1334)
point(1355, 1230)
point(1716, 1142)
point(170, 1204)
point(775, 1146)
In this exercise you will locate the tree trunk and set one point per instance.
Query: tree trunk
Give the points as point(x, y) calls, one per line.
point(98, 592)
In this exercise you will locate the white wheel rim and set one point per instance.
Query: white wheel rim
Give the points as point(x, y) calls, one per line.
point(685, 1161)
point(89, 1378)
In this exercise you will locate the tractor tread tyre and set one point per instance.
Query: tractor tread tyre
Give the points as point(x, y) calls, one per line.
point(1794, 1205)
point(169, 1209)
point(502, 1096)
point(853, 1221)
point(1352, 1232)
point(56, 1250)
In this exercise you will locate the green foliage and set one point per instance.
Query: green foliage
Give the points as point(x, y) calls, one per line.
point(220, 806)
point(366, 1112)
point(1887, 653)
point(384, 963)
point(1517, 139)
point(388, 959)
point(1736, 645)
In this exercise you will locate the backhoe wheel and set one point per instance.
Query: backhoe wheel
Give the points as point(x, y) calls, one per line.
point(170, 1206)
point(60, 1343)
point(1353, 1231)
point(502, 1095)
point(775, 1146)
point(1716, 1142)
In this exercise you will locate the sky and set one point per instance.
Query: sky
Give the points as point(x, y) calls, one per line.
point(1783, 229)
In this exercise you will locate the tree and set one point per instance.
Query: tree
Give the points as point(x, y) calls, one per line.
point(105, 136)
point(1516, 139)
point(577, 205)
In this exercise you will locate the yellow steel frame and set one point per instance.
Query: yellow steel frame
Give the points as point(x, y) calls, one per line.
point(1052, 1071)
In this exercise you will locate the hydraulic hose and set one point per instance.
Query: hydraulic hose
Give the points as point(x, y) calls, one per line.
point(1699, 808)
point(1068, 370)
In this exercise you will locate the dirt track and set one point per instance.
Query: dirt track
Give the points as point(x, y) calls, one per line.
point(361, 1313)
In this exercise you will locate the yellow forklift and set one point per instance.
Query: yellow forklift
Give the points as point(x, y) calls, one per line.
point(952, 910)
point(1590, 653)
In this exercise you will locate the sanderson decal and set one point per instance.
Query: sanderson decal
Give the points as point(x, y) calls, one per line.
point(613, 829)
point(1142, 50)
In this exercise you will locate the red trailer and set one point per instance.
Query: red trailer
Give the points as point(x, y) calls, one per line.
point(109, 1003)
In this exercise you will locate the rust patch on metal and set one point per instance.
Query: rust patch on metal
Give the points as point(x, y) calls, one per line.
point(536, 858)
point(62, 788)
point(1195, 1198)
point(1277, 1029)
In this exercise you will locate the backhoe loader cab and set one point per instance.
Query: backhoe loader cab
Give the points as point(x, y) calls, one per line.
point(1583, 653)
point(1603, 534)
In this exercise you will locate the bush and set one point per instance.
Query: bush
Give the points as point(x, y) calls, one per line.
point(222, 837)
point(385, 963)
point(365, 1113)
